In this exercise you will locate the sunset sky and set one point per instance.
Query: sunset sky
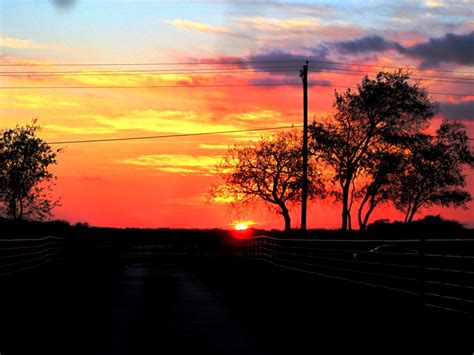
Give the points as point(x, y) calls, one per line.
point(164, 182)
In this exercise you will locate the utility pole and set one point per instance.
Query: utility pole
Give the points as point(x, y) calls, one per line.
point(304, 187)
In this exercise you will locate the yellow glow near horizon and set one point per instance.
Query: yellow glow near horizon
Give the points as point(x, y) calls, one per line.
point(241, 227)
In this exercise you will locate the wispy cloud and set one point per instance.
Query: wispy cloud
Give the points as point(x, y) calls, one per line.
point(198, 26)
point(38, 101)
point(134, 79)
point(79, 130)
point(21, 43)
point(176, 163)
point(269, 24)
point(434, 4)
point(257, 117)
point(164, 121)
point(277, 30)
point(213, 146)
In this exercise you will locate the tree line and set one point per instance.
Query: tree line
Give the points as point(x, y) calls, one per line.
point(377, 149)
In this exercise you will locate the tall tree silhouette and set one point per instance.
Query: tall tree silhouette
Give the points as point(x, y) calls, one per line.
point(380, 108)
point(382, 169)
point(269, 171)
point(25, 181)
point(433, 171)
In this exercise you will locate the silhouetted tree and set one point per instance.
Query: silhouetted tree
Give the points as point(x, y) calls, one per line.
point(269, 171)
point(378, 110)
point(433, 172)
point(382, 168)
point(25, 181)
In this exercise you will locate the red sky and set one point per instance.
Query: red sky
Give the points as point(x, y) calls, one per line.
point(164, 183)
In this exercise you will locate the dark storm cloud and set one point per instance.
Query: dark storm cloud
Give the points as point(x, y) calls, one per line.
point(280, 56)
point(372, 43)
point(286, 59)
point(451, 48)
point(463, 111)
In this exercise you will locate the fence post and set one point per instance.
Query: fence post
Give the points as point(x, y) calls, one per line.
point(462, 268)
point(272, 248)
point(259, 248)
point(421, 253)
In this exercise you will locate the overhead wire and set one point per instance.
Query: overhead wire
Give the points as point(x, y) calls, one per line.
point(174, 135)
point(201, 71)
point(224, 62)
point(177, 135)
point(146, 71)
point(268, 69)
point(199, 86)
point(292, 66)
point(445, 79)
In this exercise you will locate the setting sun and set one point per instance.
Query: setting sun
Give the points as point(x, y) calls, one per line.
point(241, 227)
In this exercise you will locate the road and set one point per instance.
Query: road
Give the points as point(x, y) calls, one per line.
point(169, 308)
point(182, 315)
point(139, 309)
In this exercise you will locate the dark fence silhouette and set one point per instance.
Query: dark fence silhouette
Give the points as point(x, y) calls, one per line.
point(19, 255)
point(439, 273)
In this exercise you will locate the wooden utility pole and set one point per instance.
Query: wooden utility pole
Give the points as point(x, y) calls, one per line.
point(304, 187)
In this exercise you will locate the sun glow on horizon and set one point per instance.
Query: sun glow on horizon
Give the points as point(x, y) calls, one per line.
point(241, 227)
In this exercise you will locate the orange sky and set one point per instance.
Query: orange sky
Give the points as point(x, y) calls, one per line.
point(164, 183)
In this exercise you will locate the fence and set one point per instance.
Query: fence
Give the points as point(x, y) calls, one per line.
point(438, 272)
point(18, 255)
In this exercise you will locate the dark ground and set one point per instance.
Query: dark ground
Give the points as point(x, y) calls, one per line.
point(213, 307)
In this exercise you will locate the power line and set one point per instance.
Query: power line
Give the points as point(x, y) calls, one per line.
point(312, 59)
point(203, 70)
point(197, 86)
point(215, 71)
point(174, 135)
point(146, 63)
point(144, 71)
point(178, 135)
point(151, 86)
point(424, 77)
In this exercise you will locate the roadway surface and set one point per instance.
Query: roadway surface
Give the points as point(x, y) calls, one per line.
point(182, 315)
point(139, 309)
point(208, 308)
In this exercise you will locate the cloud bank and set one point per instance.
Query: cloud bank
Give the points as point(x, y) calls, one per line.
point(462, 111)
point(452, 48)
